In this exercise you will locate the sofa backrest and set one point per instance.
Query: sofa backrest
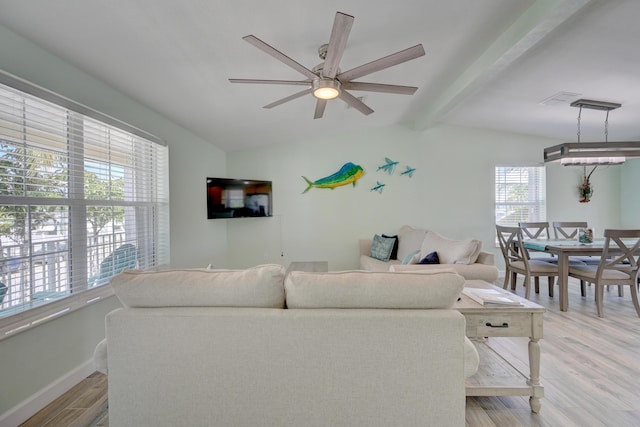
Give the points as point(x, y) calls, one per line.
point(372, 289)
point(260, 286)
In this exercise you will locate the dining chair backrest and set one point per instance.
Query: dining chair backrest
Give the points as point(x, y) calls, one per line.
point(510, 239)
point(621, 253)
point(535, 230)
point(567, 229)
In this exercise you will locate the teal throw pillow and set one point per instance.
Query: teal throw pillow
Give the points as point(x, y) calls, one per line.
point(381, 248)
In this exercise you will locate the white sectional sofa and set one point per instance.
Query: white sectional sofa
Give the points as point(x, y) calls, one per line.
point(463, 256)
point(219, 348)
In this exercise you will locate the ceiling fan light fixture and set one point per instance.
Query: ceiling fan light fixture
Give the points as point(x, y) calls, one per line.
point(326, 89)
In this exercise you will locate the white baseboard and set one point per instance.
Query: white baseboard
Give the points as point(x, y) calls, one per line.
point(26, 409)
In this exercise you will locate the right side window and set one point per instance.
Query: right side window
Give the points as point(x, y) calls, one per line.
point(520, 194)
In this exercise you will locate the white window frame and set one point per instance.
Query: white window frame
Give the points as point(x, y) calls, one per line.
point(520, 194)
point(154, 223)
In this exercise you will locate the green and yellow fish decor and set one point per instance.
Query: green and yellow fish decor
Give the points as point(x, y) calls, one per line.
point(348, 174)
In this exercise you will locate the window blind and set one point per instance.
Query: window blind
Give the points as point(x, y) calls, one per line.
point(520, 194)
point(82, 197)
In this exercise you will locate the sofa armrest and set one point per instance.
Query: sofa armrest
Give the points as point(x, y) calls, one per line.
point(486, 258)
point(365, 246)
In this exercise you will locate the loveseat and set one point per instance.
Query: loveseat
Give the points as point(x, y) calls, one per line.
point(219, 348)
point(415, 244)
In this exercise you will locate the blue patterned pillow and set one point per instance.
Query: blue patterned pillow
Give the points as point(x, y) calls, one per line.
point(381, 248)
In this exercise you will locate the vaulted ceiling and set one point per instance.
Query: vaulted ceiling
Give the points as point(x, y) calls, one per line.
point(512, 65)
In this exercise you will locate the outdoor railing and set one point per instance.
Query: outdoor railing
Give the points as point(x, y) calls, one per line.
point(44, 272)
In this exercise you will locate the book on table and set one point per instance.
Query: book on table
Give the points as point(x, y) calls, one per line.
point(491, 297)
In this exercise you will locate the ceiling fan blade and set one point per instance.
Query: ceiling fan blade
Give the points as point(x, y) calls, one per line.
point(382, 63)
point(355, 102)
point(320, 105)
point(337, 42)
point(288, 98)
point(378, 87)
point(279, 56)
point(272, 82)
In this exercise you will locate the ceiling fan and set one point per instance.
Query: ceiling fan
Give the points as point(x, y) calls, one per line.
point(325, 81)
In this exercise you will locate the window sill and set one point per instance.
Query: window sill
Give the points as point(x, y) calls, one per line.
point(25, 320)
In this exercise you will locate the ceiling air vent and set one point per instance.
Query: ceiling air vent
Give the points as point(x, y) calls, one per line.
point(560, 98)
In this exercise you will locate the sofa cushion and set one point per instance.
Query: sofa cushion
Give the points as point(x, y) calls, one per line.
point(471, 358)
point(488, 273)
point(381, 248)
point(451, 251)
point(100, 356)
point(372, 289)
point(409, 240)
point(260, 286)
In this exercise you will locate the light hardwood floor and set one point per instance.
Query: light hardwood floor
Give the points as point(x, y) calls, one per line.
point(590, 371)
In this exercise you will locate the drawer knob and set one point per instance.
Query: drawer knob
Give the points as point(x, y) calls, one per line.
point(491, 325)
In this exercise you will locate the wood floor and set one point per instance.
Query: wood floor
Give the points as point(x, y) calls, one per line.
point(590, 371)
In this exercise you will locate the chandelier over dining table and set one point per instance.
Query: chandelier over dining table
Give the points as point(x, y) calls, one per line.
point(593, 153)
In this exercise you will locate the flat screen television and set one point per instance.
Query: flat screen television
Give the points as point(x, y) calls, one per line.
point(238, 198)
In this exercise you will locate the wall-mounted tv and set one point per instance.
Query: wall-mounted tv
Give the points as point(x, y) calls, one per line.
point(238, 198)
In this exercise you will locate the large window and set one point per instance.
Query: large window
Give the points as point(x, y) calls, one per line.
point(82, 197)
point(520, 194)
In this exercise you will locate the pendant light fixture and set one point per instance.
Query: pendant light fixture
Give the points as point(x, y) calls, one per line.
point(593, 153)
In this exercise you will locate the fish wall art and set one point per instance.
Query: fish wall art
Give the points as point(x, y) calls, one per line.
point(408, 172)
point(378, 187)
point(349, 173)
point(389, 166)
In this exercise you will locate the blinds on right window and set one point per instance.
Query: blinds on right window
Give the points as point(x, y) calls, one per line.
point(520, 194)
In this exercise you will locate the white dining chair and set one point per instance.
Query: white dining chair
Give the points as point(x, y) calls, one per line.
point(537, 230)
point(618, 266)
point(517, 261)
point(568, 230)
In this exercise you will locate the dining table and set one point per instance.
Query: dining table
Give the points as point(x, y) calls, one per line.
point(563, 249)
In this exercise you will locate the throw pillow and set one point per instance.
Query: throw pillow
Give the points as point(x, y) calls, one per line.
point(259, 286)
point(394, 251)
point(381, 248)
point(373, 289)
point(409, 239)
point(451, 251)
point(411, 258)
point(431, 258)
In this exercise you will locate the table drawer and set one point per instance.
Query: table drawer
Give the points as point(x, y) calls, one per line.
point(499, 325)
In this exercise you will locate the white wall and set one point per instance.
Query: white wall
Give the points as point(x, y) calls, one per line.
point(630, 194)
point(603, 211)
point(194, 240)
point(452, 192)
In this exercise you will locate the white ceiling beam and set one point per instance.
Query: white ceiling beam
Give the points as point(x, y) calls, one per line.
point(531, 27)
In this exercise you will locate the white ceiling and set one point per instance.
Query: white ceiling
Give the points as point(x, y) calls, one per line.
point(488, 63)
